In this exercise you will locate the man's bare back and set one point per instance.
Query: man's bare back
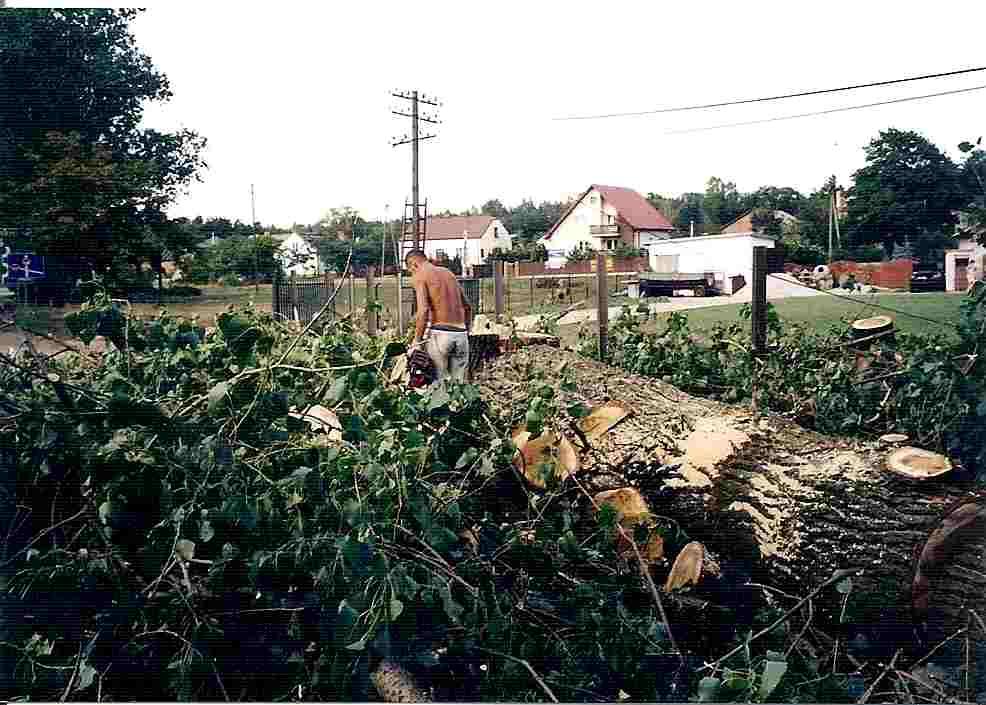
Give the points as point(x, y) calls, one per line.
point(439, 293)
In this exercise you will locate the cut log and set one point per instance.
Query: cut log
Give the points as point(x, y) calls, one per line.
point(865, 330)
point(918, 464)
point(796, 504)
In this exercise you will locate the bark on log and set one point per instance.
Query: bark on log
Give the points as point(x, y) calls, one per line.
point(797, 503)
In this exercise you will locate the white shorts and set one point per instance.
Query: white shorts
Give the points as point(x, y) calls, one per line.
point(449, 351)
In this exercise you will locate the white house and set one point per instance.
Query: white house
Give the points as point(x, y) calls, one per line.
point(470, 237)
point(964, 265)
point(602, 217)
point(298, 254)
point(728, 255)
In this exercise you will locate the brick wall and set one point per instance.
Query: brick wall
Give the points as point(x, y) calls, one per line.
point(892, 275)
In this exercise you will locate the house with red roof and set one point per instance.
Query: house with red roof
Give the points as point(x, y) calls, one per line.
point(602, 218)
point(470, 237)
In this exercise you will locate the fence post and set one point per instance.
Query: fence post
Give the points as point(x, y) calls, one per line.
point(371, 313)
point(602, 303)
point(294, 299)
point(498, 287)
point(352, 292)
point(275, 304)
point(329, 288)
point(758, 315)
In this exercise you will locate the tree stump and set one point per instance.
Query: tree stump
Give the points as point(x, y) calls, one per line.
point(795, 503)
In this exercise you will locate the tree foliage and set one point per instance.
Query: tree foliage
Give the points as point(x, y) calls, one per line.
point(974, 181)
point(907, 192)
point(78, 174)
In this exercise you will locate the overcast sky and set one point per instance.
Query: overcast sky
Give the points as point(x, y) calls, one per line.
point(295, 97)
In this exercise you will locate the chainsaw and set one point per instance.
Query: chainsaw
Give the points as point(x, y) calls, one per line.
point(421, 369)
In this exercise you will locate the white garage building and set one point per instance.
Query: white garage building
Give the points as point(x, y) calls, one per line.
point(728, 256)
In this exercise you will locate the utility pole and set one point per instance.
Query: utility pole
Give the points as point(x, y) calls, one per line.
point(383, 240)
point(256, 255)
point(414, 139)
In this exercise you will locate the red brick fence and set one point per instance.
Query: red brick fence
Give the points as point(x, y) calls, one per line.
point(895, 274)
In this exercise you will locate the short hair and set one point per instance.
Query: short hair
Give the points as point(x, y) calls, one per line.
point(415, 254)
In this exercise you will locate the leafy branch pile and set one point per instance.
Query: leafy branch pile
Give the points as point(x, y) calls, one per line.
point(253, 513)
point(929, 387)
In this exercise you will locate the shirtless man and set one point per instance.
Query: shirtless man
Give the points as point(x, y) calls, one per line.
point(440, 296)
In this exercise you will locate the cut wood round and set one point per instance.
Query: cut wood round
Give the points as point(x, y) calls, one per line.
point(545, 456)
point(795, 504)
point(891, 439)
point(918, 464)
point(868, 327)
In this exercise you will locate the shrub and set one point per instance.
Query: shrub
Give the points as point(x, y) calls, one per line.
point(230, 280)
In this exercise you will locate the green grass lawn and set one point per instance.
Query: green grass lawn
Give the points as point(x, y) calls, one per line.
point(821, 312)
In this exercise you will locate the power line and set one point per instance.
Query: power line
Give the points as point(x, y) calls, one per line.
point(824, 112)
point(776, 97)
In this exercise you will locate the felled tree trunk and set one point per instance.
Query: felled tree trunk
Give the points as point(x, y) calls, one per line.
point(760, 488)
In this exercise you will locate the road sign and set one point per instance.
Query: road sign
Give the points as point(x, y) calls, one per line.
point(25, 267)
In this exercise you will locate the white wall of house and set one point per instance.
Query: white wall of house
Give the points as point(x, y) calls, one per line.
point(298, 257)
point(975, 257)
point(495, 237)
point(476, 249)
point(726, 255)
point(574, 229)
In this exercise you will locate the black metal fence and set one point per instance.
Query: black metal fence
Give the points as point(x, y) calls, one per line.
point(300, 298)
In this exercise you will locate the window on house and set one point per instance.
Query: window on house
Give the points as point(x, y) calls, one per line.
point(496, 231)
point(440, 254)
point(482, 253)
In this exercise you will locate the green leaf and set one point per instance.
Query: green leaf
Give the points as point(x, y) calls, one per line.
point(206, 532)
point(394, 349)
point(466, 458)
point(105, 510)
point(578, 411)
point(87, 674)
point(773, 671)
point(337, 390)
point(708, 689)
point(844, 586)
point(185, 549)
point(439, 398)
point(217, 395)
point(396, 608)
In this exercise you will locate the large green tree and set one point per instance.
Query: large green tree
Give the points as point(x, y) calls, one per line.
point(78, 174)
point(974, 183)
point(908, 192)
point(722, 202)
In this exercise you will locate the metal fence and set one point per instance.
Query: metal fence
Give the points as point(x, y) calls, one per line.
point(300, 298)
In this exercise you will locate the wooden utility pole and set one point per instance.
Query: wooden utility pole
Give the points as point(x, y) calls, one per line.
point(371, 300)
point(256, 255)
point(414, 139)
point(758, 315)
point(602, 305)
point(498, 288)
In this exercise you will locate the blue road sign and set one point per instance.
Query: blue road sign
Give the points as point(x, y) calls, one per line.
point(25, 267)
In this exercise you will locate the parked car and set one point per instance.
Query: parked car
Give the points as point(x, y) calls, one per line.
point(927, 280)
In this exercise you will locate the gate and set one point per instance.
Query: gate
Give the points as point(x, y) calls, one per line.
point(300, 298)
